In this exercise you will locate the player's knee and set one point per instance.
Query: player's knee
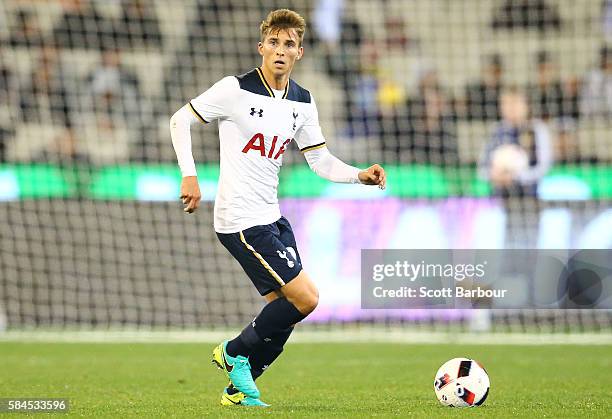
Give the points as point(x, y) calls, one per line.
point(309, 302)
point(303, 294)
point(306, 303)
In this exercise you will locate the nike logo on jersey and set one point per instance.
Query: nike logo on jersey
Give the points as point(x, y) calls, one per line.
point(257, 143)
point(283, 255)
point(258, 112)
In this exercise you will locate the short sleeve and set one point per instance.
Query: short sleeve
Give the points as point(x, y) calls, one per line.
point(215, 103)
point(309, 136)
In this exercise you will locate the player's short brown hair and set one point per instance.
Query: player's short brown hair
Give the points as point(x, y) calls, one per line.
point(283, 19)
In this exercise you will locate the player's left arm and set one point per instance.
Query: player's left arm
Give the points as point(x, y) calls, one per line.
point(312, 143)
point(328, 166)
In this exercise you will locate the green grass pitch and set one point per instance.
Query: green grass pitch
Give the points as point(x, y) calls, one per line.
point(309, 380)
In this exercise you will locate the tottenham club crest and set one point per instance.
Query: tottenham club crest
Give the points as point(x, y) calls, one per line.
point(295, 115)
point(283, 255)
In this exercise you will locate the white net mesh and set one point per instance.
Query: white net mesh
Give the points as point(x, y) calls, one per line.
point(93, 236)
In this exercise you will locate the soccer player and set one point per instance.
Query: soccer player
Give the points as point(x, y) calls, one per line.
point(259, 114)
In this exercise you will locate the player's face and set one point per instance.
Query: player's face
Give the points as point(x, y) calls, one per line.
point(280, 49)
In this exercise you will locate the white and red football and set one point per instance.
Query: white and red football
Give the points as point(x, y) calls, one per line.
point(461, 382)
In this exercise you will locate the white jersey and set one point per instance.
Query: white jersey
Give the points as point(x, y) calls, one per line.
point(255, 129)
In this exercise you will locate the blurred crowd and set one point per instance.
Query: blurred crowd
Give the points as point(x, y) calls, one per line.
point(532, 126)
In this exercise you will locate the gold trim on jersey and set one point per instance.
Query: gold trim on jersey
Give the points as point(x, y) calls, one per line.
point(196, 113)
point(265, 83)
point(313, 147)
point(262, 260)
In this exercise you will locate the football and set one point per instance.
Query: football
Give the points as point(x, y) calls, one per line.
point(461, 382)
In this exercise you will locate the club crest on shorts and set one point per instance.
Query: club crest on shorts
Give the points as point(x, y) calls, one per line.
point(283, 255)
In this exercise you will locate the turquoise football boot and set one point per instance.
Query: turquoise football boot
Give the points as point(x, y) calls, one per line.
point(252, 402)
point(239, 399)
point(237, 369)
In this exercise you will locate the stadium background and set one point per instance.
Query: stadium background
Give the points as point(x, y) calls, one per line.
point(93, 237)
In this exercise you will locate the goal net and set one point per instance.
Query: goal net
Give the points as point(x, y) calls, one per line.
point(492, 120)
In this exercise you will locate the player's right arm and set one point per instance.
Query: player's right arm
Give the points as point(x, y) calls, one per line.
point(180, 131)
point(212, 104)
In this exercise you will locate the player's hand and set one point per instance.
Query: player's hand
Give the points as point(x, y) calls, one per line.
point(374, 175)
point(190, 193)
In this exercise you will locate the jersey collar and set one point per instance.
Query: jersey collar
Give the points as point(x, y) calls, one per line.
point(267, 86)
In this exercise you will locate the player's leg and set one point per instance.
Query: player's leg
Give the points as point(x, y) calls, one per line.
point(302, 291)
point(300, 297)
point(237, 366)
point(262, 357)
point(266, 354)
point(270, 266)
point(299, 292)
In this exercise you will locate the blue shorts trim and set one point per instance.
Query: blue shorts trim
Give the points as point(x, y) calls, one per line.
point(267, 253)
